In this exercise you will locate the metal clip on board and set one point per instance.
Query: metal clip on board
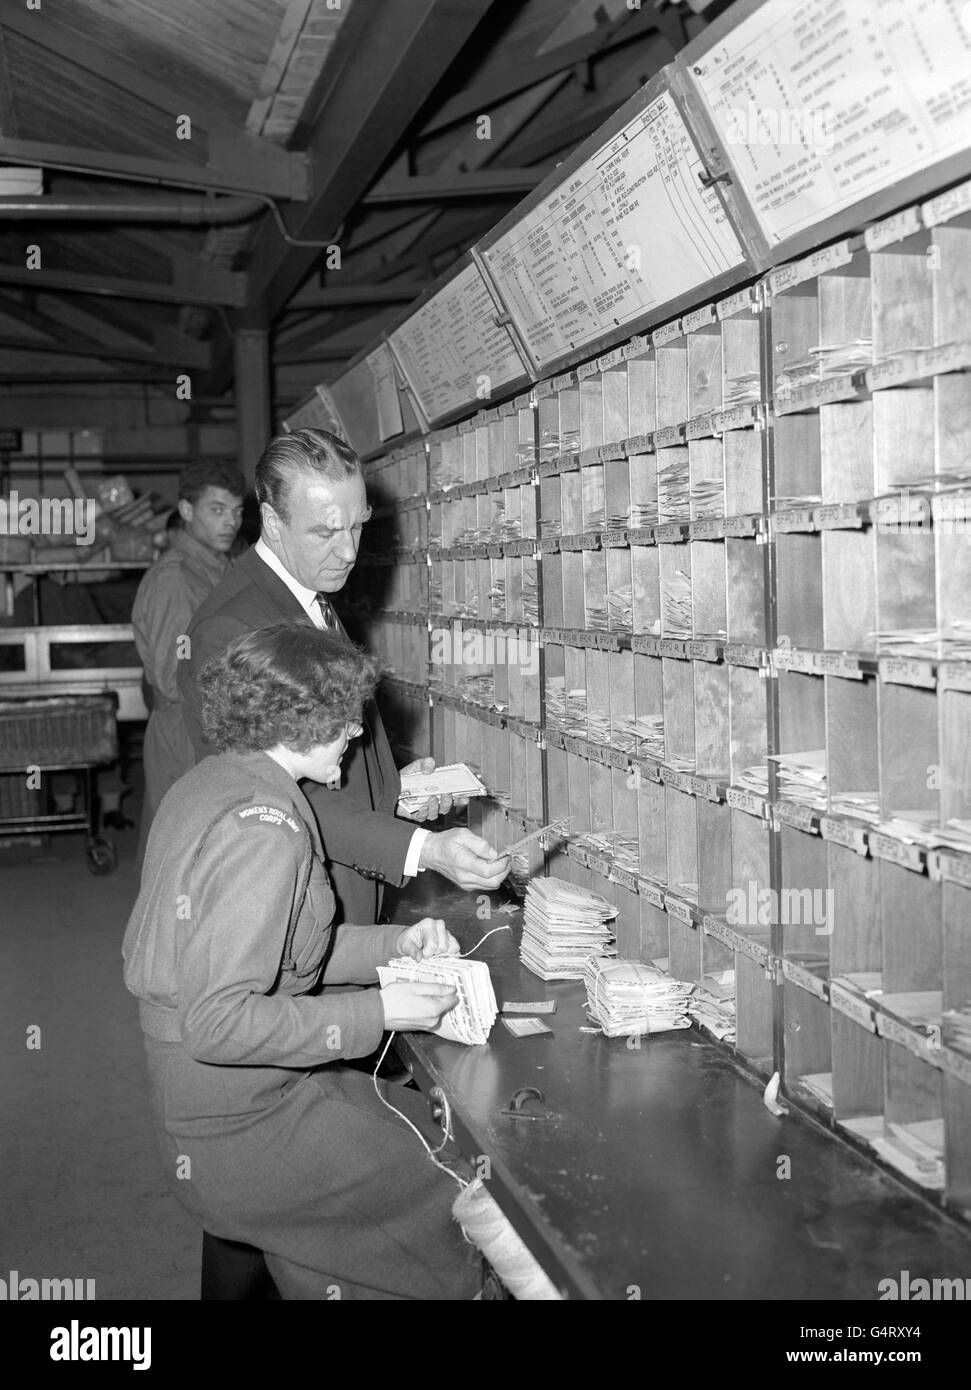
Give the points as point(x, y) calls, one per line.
point(518, 1100)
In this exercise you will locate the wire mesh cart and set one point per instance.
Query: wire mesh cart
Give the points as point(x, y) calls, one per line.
point(65, 733)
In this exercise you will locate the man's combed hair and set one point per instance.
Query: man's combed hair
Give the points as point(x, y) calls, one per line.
point(194, 480)
point(289, 684)
point(314, 451)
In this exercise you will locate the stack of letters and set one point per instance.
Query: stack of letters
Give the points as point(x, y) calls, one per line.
point(563, 925)
point(627, 997)
point(473, 1016)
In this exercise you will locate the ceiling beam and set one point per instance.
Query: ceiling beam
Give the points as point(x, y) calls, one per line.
point(284, 46)
point(182, 351)
point(381, 70)
point(443, 188)
point(191, 285)
point(387, 232)
point(325, 352)
point(461, 231)
point(383, 236)
point(73, 314)
point(339, 295)
point(517, 77)
point(456, 230)
point(78, 348)
point(8, 114)
point(27, 314)
point(300, 335)
point(75, 376)
point(236, 163)
point(39, 345)
point(348, 332)
point(66, 338)
point(454, 233)
point(156, 343)
point(127, 319)
point(590, 116)
point(387, 61)
point(155, 240)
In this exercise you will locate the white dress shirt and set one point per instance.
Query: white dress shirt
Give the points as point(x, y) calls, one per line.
point(307, 598)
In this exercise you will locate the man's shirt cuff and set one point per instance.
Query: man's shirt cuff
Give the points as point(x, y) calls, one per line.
point(413, 857)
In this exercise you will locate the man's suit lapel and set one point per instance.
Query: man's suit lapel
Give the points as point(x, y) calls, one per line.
point(281, 602)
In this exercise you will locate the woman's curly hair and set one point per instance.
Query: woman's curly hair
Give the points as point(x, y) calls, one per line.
point(288, 684)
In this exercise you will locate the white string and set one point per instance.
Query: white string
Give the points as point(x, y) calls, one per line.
point(507, 926)
point(432, 1153)
point(447, 1131)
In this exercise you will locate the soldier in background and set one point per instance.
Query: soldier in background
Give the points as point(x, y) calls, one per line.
point(210, 509)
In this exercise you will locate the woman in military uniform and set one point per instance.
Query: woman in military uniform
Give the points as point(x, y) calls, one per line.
point(265, 1136)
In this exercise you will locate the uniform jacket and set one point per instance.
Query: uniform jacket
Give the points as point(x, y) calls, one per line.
point(365, 843)
point(242, 987)
point(167, 597)
point(232, 928)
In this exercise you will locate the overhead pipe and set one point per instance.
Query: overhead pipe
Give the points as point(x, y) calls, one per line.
point(186, 208)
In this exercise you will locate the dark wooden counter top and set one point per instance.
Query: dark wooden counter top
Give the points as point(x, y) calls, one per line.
point(656, 1174)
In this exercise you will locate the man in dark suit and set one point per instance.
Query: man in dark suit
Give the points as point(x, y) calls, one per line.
point(313, 506)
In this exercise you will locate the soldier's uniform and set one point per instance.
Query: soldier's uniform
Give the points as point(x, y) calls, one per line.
point(167, 597)
point(265, 1137)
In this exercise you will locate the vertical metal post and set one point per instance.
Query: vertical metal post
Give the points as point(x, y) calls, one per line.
point(773, 740)
point(251, 360)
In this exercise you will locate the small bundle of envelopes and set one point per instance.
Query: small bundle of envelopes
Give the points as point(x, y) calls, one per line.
point(563, 925)
point(627, 997)
point(473, 1016)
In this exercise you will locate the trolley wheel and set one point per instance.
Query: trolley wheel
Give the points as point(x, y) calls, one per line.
point(102, 856)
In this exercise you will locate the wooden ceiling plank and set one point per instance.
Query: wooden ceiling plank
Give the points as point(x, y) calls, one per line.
point(93, 59)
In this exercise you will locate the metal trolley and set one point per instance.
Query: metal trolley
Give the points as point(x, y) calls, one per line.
point(61, 733)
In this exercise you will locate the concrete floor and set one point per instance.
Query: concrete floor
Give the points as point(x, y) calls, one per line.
point(82, 1194)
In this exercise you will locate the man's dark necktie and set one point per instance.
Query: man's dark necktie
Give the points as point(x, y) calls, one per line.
point(330, 617)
